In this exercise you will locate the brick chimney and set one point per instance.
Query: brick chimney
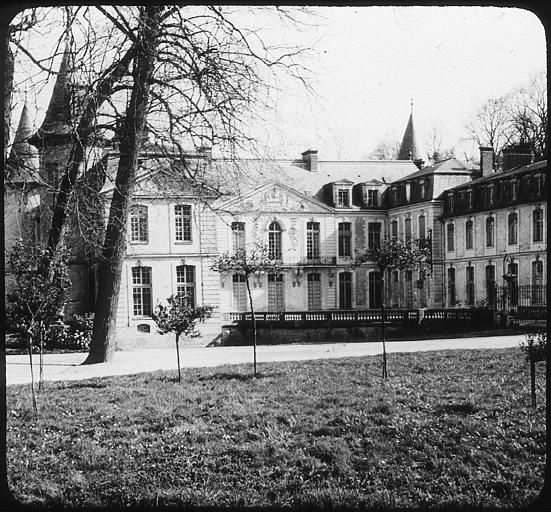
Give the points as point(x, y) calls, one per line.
point(486, 160)
point(310, 158)
point(516, 155)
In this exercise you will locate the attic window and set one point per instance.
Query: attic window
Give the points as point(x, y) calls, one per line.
point(394, 195)
point(371, 197)
point(422, 189)
point(513, 190)
point(451, 202)
point(470, 195)
point(491, 194)
point(343, 197)
point(538, 185)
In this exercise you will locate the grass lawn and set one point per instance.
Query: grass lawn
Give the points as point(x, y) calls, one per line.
point(447, 428)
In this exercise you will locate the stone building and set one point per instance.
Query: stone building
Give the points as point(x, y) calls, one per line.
point(312, 213)
point(495, 233)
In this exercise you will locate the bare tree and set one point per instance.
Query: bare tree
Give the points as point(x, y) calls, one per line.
point(491, 126)
point(386, 149)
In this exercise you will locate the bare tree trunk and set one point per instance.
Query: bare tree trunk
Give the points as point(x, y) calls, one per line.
point(83, 133)
point(383, 332)
point(178, 356)
point(41, 373)
point(102, 346)
point(30, 348)
point(254, 324)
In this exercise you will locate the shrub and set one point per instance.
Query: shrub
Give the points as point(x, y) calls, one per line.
point(535, 346)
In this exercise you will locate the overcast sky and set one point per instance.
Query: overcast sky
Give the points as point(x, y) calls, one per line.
point(372, 60)
point(369, 62)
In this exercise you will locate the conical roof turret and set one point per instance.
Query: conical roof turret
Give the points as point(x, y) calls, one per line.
point(410, 148)
point(22, 163)
point(62, 111)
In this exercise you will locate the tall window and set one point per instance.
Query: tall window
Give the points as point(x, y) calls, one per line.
point(538, 290)
point(512, 285)
point(469, 285)
point(491, 294)
point(490, 231)
point(182, 222)
point(343, 198)
point(538, 185)
point(276, 292)
point(450, 236)
point(407, 228)
point(138, 224)
point(141, 291)
point(239, 292)
point(469, 234)
point(394, 229)
point(422, 228)
point(537, 221)
point(451, 287)
point(513, 228)
point(274, 241)
point(373, 234)
point(345, 239)
point(314, 291)
point(372, 197)
point(345, 290)
point(312, 240)
point(238, 235)
point(185, 282)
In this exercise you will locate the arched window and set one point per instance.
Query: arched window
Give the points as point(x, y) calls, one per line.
point(274, 241)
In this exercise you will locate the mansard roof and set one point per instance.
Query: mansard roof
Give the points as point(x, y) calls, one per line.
point(500, 175)
point(22, 164)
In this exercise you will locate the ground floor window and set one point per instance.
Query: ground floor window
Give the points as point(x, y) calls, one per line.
point(451, 287)
point(314, 291)
point(491, 285)
point(375, 290)
point(469, 286)
point(276, 292)
point(185, 282)
point(345, 290)
point(141, 291)
point(239, 292)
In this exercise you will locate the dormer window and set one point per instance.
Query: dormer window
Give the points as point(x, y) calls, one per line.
point(513, 190)
point(343, 198)
point(422, 189)
point(372, 197)
point(342, 194)
point(451, 202)
point(470, 200)
point(538, 185)
point(394, 195)
point(491, 194)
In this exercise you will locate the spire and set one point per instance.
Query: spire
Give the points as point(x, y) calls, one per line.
point(22, 163)
point(60, 116)
point(410, 148)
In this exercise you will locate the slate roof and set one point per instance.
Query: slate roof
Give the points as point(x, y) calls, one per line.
point(23, 164)
point(498, 175)
point(410, 149)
